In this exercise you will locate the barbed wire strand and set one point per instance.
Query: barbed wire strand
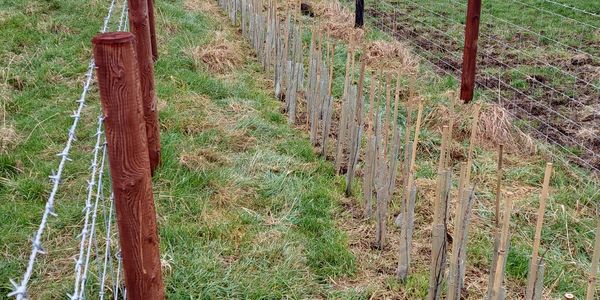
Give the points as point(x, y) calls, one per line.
point(107, 249)
point(88, 211)
point(119, 268)
point(20, 289)
point(99, 191)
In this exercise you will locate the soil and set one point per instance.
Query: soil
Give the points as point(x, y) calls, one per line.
point(543, 101)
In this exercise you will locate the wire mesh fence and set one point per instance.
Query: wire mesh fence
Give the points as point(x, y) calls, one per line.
point(544, 74)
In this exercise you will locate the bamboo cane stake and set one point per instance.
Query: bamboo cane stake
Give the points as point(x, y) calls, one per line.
point(388, 96)
point(396, 106)
point(502, 252)
point(416, 137)
point(439, 238)
point(331, 66)
point(443, 147)
point(342, 127)
point(459, 245)
point(532, 277)
point(370, 152)
point(592, 277)
point(406, 230)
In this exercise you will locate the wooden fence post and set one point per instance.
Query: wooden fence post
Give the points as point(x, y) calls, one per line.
point(467, 84)
point(139, 24)
point(118, 81)
point(359, 12)
point(152, 21)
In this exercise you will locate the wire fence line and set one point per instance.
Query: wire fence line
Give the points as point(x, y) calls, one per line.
point(573, 8)
point(551, 152)
point(537, 34)
point(555, 124)
point(530, 115)
point(490, 38)
point(456, 71)
point(97, 167)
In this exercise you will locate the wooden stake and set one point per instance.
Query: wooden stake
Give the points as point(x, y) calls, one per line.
point(502, 252)
point(459, 245)
point(416, 137)
point(532, 277)
point(152, 22)
point(118, 82)
point(139, 24)
point(388, 99)
point(592, 277)
point(443, 147)
point(498, 187)
point(439, 237)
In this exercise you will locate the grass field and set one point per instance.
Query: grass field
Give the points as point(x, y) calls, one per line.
point(246, 210)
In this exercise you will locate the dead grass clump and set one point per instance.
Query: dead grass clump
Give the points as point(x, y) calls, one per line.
point(8, 138)
point(495, 125)
point(337, 22)
point(391, 56)
point(202, 160)
point(201, 5)
point(219, 56)
point(241, 140)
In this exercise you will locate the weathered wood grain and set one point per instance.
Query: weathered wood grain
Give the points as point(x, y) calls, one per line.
point(121, 97)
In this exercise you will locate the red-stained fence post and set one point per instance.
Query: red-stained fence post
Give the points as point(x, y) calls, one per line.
point(118, 81)
point(140, 27)
point(467, 84)
point(152, 21)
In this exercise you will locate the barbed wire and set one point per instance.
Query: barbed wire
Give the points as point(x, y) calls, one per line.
point(88, 209)
point(81, 267)
point(20, 289)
